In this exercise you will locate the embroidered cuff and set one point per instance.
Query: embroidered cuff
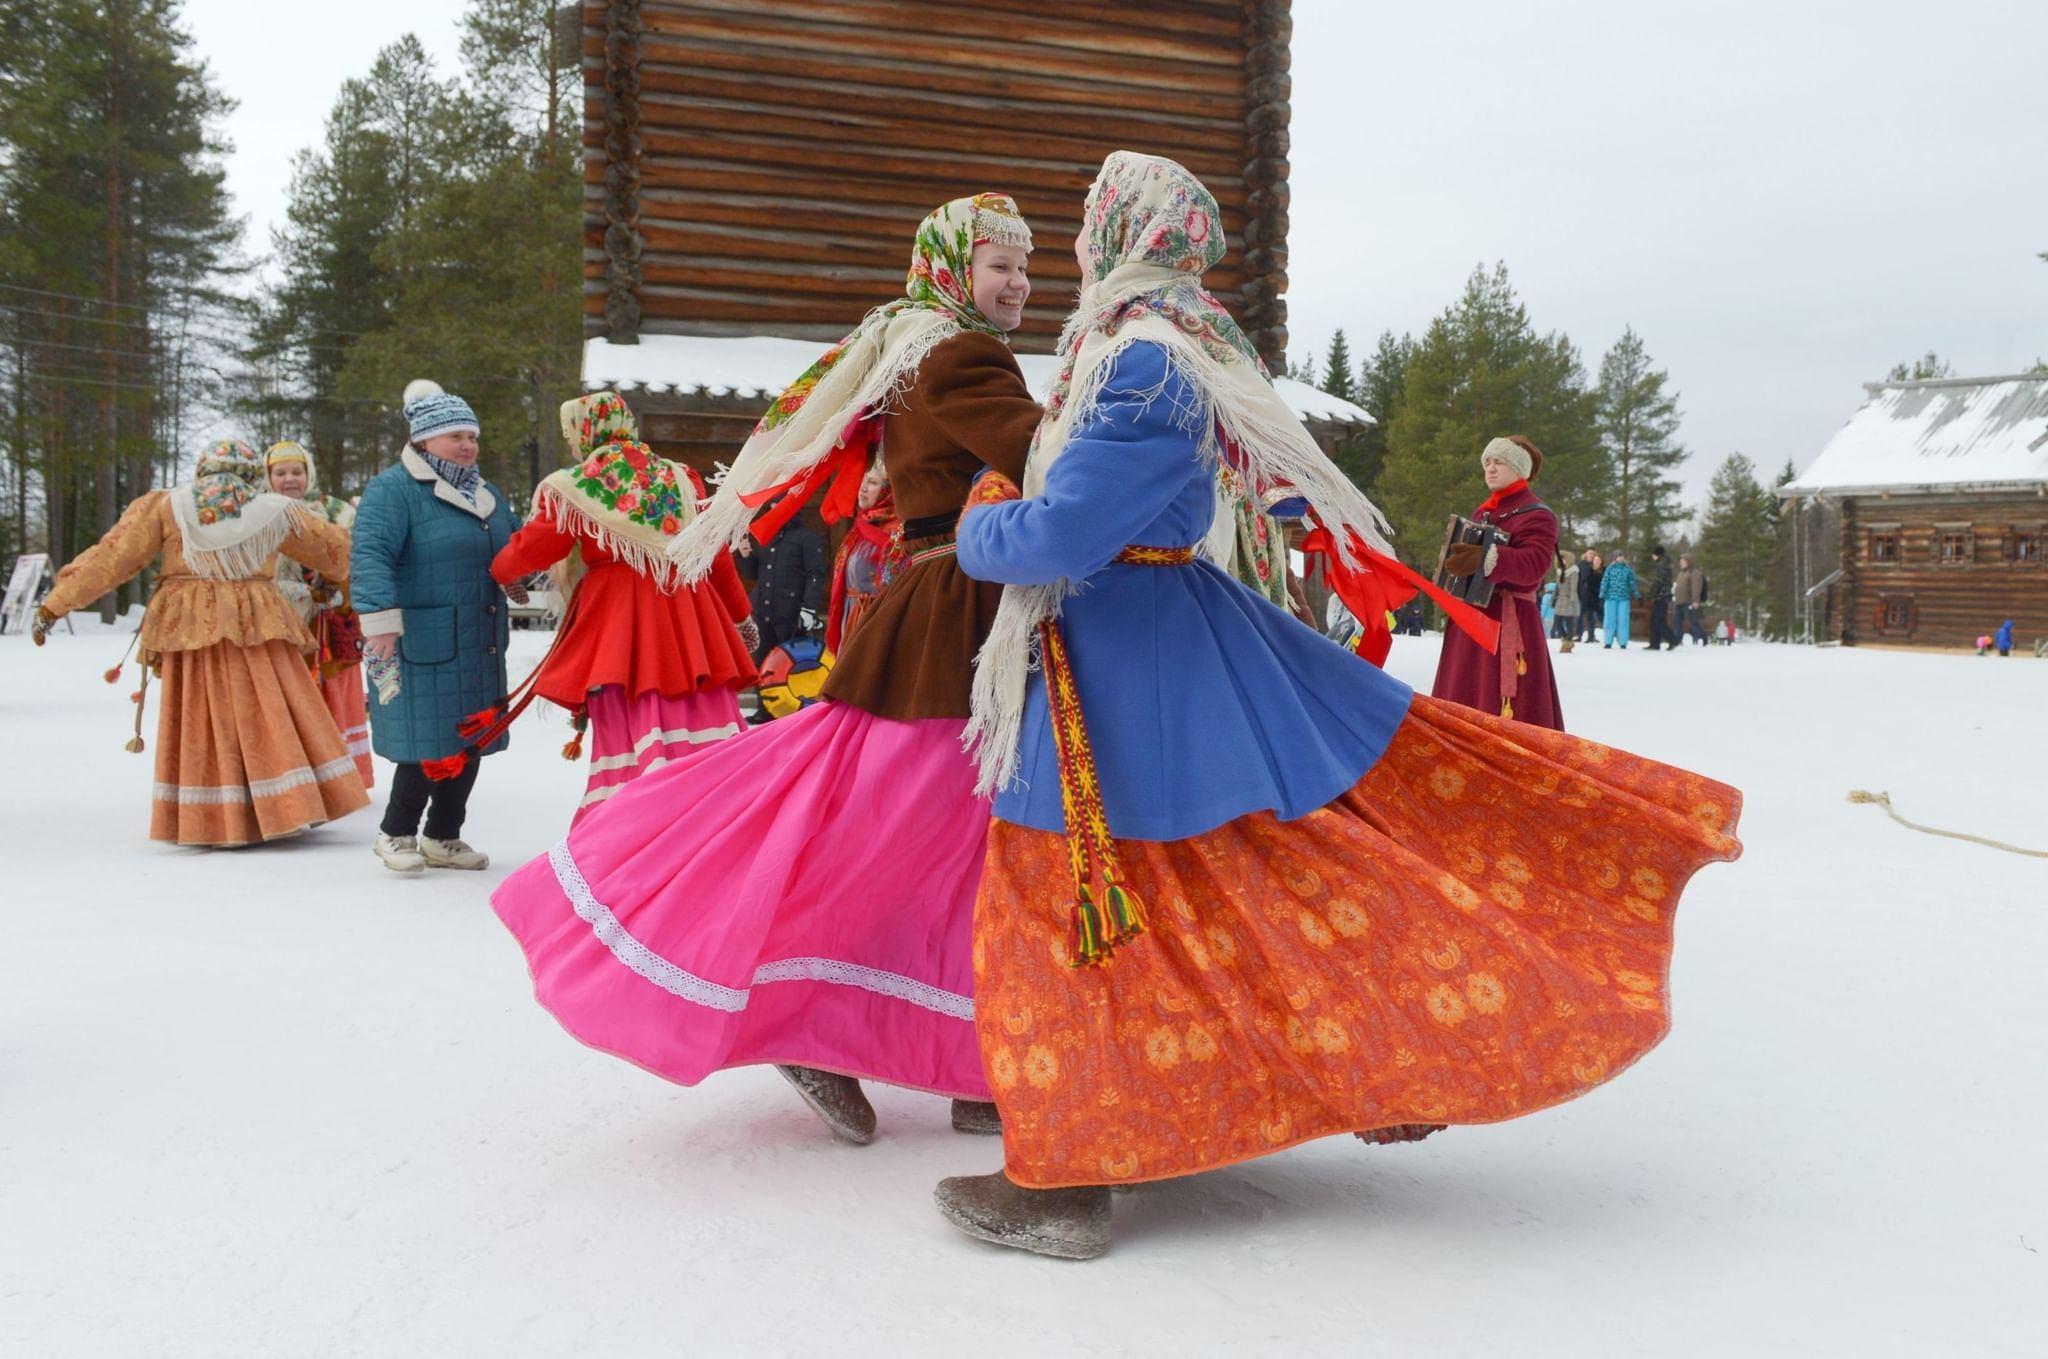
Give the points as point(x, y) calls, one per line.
point(383, 623)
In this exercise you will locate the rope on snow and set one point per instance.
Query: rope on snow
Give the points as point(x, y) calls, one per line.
point(1884, 800)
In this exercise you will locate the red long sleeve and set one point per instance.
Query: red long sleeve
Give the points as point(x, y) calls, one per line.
point(534, 548)
point(729, 589)
point(1532, 545)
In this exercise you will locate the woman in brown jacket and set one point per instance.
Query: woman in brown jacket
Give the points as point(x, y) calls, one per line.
point(246, 749)
point(803, 895)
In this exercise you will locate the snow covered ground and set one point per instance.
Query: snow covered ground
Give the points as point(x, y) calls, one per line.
point(280, 1102)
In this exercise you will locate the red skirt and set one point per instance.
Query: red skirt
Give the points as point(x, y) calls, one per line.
point(1479, 929)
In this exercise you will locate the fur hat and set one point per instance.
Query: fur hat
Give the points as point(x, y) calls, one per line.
point(1517, 452)
point(430, 412)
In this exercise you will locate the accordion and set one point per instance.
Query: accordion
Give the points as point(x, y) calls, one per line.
point(1474, 589)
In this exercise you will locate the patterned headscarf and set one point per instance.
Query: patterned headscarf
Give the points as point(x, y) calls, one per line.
point(230, 525)
point(331, 508)
point(620, 492)
point(1149, 230)
point(814, 428)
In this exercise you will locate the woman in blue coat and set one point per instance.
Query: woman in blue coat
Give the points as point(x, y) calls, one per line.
point(425, 533)
point(1618, 591)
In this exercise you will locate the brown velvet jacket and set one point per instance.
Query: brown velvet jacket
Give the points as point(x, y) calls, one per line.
point(913, 655)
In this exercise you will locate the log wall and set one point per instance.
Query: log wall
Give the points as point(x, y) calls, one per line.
point(1921, 598)
point(758, 166)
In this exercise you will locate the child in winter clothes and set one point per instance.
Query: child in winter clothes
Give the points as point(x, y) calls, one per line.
point(1618, 589)
point(2003, 639)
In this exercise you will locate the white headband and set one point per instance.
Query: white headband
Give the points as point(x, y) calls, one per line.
point(1509, 452)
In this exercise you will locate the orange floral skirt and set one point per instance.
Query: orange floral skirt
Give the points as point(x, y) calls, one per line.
point(1479, 929)
point(349, 705)
point(246, 749)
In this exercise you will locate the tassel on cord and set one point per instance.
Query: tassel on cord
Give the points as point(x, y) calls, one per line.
point(134, 745)
point(481, 729)
point(1099, 928)
point(443, 769)
point(477, 723)
point(574, 749)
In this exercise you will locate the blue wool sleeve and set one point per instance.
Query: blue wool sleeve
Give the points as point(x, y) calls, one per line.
point(1120, 470)
point(378, 541)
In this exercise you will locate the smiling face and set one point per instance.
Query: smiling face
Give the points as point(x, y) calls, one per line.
point(1002, 283)
point(288, 478)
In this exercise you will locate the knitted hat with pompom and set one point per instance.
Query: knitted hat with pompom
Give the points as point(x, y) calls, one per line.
point(430, 412)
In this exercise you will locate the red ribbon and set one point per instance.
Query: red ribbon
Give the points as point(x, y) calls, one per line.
point(1378, 585)
point(843, 468)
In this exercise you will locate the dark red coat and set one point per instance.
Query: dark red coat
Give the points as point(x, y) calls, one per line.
point(626, 630)
point(1470, 675)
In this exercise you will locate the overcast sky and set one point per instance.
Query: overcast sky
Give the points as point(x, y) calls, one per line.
point(1783, 198)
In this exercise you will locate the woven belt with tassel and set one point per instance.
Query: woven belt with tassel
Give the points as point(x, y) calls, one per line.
point(1119, 916)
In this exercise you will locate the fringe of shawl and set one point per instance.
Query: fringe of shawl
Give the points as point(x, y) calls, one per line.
point(237, 548)
point(638, 546)
point(880, 365)
point(1244, 423)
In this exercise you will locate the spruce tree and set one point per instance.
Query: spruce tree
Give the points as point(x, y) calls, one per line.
point(1738, 545)
point(1928, 365)
point(1337, 376)
point(1479, 371)
point(1638, 422)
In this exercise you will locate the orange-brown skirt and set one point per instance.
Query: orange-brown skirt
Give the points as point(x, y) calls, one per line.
point(246, 749)
point(349, 705)
point(1479, 929)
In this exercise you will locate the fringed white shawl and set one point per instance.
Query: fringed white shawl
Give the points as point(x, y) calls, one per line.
point(236, 546)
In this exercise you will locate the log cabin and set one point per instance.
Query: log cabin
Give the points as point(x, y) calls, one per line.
point(754, 170)
point(1940, 488)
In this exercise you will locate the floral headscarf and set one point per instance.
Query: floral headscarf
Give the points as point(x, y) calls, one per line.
point(620, 492)
point(1149, 230)
point(818, 427)
point(230, 525)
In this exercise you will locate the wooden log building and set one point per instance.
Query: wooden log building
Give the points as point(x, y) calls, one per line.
point(755, 170)
point(1941, 490)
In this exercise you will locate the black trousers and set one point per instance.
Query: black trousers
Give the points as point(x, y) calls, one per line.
point(1589, 620)
point(1661, 631)
point(446, 804)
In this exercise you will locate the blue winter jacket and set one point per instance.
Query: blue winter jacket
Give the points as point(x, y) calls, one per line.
point(422, 559)
point(2004, 638)
point(1618, 581)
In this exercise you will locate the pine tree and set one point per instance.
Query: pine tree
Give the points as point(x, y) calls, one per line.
point(1738, 546)
point(1337, 376)
point(1379, 390)
point(1479, 371)
point(1638, 421)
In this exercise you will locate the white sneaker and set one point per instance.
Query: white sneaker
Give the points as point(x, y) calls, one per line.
point(451, 854)
point(400, 853)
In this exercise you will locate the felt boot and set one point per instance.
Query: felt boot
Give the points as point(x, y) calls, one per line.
point(1067, 1224)
point(981, 1120)
point(837, 1099)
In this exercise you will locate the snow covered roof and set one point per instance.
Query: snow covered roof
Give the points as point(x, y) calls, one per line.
point(1945, 434)
point(760, 366)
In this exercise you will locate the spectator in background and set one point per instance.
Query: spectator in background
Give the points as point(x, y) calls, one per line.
point(1568, 606)
point(1688, 593)
point(790, 576)
point(1618, 591)
point(1590, 566)
point(1727, 631)
point(1661, 632)
point(2003, 638)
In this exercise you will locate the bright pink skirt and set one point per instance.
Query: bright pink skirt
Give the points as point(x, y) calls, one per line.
point(629, 736)
point(803, 894)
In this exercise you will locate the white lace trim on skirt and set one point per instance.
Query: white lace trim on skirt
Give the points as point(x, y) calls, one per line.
point(691, 987)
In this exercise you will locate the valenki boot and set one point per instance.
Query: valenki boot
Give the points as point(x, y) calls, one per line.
point(976, 1119)
point(837, 1099)
point(1066, 1224)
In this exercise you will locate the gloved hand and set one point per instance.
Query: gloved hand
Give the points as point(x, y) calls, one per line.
point(807, 621)
point(1463, 559)
point(516, 592)
point(40, 629)
point(750, 633)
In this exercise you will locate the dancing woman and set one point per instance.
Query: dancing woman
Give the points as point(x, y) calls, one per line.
point(324, 605)
point(655, 663)
point(1243, 890)
point(245, 748)
point(803, 896)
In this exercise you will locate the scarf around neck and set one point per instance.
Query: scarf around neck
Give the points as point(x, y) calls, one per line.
point(465, 480)
point(1149, 230)
point(822, 426)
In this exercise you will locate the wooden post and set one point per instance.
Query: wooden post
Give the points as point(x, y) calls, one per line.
point(622, 240)
point(1269, 28)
